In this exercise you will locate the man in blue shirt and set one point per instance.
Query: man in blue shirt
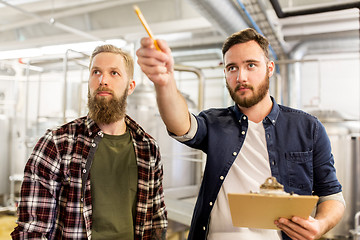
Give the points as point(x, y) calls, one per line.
point(248, 142)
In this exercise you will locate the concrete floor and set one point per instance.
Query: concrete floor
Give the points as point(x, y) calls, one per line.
point(7, 224)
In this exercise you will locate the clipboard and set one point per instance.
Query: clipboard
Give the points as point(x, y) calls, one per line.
point(261, 210)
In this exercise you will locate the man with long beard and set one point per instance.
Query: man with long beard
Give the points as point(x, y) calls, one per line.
point(248, 142)
point(99, 176)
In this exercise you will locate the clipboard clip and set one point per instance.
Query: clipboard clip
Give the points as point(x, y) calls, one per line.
point(272, 186)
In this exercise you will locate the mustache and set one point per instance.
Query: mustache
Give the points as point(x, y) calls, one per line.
point(238, 86)
point(102, 89)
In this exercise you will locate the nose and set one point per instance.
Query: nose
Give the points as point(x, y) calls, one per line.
point(238, 75)
point(241, 76)
point(102, 80)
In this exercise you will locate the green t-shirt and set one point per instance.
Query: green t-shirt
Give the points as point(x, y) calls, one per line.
point(114, 178)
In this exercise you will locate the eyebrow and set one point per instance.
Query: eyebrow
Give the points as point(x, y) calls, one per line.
point(230, 65)
point(251, 61)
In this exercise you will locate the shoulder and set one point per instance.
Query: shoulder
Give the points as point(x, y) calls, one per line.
point(219, 117)
point(293, 113)
point(215, 113)
point(71, 130)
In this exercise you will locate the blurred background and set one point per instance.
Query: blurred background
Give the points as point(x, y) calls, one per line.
point(44, 57)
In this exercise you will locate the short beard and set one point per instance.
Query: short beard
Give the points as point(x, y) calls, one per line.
point(259, 94)
point(105, 111)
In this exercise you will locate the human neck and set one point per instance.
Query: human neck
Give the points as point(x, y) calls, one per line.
point(259, 111)
point(116, 128)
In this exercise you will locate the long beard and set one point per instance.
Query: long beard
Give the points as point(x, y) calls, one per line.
point(257, 96)
point(106, 111)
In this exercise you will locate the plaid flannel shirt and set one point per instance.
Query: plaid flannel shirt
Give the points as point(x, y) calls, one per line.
point(55, 194)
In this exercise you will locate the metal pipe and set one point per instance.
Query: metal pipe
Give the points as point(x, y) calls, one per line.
point(201, 78)
point(38, 104)
point(330, 8)
point(65, 69)
point(27, 102)
point(54, 23)
point(256, 28)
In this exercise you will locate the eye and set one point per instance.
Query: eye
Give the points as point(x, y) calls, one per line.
point(115, 73)
point(231, 69)
point(252, 65)
point(96, 72)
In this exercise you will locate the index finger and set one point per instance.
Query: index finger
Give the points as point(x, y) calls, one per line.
point(147, 42)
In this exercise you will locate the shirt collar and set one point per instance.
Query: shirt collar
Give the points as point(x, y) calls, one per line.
point(272, 116)
point(135, 128)
point(92, 127)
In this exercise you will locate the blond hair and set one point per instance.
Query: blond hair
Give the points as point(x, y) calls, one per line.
point(128, 60)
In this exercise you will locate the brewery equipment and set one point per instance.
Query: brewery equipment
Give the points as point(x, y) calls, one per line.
point(345, 143)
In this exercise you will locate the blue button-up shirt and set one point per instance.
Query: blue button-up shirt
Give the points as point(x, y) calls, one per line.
point(299, 155)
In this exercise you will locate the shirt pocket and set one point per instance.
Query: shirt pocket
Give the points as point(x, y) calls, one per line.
point(300, 171)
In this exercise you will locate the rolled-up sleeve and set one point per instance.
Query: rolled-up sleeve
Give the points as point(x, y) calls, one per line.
point(190, 134)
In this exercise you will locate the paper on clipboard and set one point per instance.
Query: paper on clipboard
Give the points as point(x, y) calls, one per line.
point(261, 210)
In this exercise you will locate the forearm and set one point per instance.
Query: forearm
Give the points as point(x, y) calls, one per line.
point(159, 68)
point(173, 109)
point(329, 213)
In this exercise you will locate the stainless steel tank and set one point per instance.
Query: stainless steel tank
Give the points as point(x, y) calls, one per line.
point(4, 156)
point(181, 166)
point(344, 137)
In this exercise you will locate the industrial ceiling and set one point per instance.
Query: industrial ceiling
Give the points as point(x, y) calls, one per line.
point(330, 25)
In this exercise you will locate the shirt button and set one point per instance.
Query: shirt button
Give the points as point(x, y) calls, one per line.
point(273, 162)
point(234, 153)
point(93, 145)
point(244, 117)
point(204, 228)
point(84, 170)
point(273, 121)
point(81, 199)
point(221, 177)
point(210, 203)
point(243, 132)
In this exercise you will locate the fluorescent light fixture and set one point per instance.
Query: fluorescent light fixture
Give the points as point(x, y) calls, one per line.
point(84, 47)
point(18, 2)
point(23, 53)
point(175, 36)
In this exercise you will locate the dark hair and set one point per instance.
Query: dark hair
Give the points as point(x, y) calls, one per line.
point(128, 60)
point(244, 36)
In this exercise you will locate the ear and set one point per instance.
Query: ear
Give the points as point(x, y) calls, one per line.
point(271, 67)
point(132, 85)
